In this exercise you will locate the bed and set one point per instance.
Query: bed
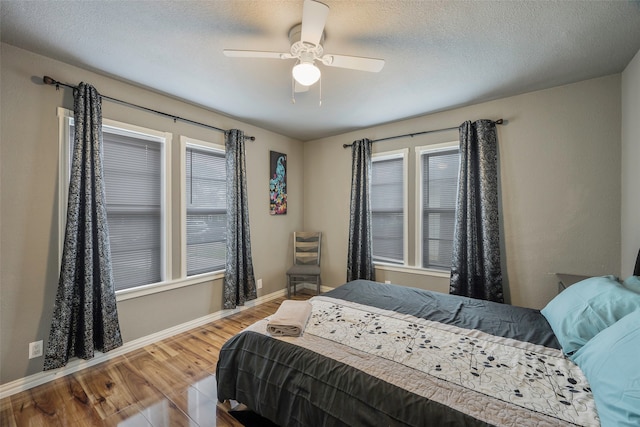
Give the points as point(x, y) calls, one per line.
point(376, 354)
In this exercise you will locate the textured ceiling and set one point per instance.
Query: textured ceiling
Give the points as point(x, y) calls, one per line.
point(439, 54)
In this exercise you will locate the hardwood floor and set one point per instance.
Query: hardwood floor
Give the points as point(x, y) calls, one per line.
point(168, 383)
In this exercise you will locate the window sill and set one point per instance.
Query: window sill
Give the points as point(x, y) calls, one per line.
point(140, 291)
point(412, 270)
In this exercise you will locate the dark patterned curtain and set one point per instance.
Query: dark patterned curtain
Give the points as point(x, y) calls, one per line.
point(239, 280)
point(360, 262)
point(475, 269)
point(85, 317)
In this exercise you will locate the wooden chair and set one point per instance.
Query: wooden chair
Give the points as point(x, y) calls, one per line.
point(306, 260)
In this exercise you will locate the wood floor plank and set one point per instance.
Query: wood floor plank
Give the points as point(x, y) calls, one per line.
point(163, 376)
point(167, 383)
point(131, 416)
point(167, 413)
point(106, 388)
point(6, 413)
point(190, 361)
point(208, 351)
point(138, 385)
point(202, 409)
point(54, 405)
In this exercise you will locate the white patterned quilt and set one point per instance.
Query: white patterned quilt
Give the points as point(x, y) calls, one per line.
point(498, 380)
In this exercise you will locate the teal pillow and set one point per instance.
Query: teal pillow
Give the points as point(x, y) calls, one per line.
point(632, 283)
point(582, 310)
point(610, 363)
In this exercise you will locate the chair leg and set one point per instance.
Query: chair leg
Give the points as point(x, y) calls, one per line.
point(318, 282)
point(288, 287)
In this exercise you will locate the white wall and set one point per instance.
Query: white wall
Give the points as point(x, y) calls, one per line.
point(29, 204)
point(559, 156)
point(630, 165)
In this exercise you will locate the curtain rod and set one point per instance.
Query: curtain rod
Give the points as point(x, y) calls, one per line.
point(498, 122)
point(50, 81)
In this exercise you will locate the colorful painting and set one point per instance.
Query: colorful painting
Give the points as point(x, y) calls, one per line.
point(278, 183)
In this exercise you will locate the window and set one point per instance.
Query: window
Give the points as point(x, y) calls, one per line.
point(136, 191)
point(388, 207)
point(438, 165)
point(205, 207)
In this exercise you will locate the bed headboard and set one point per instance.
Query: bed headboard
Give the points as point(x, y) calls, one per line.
point(636, 271)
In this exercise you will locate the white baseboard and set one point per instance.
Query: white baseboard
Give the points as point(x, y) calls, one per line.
point(76, 365)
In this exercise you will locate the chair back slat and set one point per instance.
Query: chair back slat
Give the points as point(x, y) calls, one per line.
point(306, 247)
point(307, 235)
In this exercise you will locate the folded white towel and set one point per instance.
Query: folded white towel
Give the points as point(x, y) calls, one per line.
point(290, 319)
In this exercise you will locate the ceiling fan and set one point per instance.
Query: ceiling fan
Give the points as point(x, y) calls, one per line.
point(306, 46)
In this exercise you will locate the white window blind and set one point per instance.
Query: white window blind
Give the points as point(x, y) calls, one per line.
point(206, 210)
point(387, 209)
point(133, 187)
point(439, 190)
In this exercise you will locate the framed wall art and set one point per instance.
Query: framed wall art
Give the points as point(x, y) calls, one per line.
point(278, 183)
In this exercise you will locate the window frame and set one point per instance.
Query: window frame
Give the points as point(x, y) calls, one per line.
point(66, 117)
point(185, 143)
point(420, 151)
point(404, 155)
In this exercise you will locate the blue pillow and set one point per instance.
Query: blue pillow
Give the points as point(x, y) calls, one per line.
point(610, 363)
point(582, 310)
point(632, 283)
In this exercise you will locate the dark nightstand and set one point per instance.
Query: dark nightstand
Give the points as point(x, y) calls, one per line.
point(566, 280)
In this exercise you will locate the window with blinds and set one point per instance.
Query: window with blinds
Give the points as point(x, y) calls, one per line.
point(206, 210)
point(388, 208)
point(133, 176)
point(439, 183)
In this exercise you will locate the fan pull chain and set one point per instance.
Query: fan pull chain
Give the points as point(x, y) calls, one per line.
point(293, 91)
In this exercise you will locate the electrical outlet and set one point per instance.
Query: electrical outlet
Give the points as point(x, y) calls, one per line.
point(35, 349)
point(259, 284)
point(388, 282)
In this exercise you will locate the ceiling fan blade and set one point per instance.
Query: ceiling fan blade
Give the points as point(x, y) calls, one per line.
point(354, 62)
point(297, 88)
point(255, 54)
point(314, 17)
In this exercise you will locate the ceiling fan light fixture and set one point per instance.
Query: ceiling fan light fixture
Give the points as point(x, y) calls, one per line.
point(306, 73)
